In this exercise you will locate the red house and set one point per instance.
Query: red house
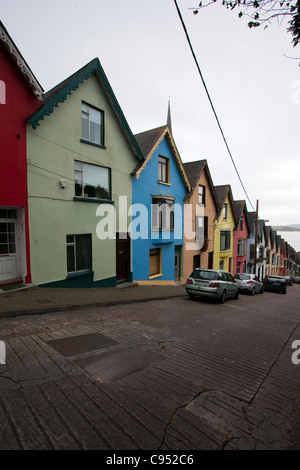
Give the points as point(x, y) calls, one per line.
point(240, 235)
point(20, 95)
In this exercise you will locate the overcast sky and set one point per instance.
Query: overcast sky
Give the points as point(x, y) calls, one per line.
point(142, 47)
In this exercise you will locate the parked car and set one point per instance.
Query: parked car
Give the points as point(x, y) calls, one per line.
point(275, 283)
point(289, 281)
point(296, 280)
point(249, 283)
point(217, 284)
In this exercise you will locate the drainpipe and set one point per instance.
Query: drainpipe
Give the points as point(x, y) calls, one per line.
point(255, 243)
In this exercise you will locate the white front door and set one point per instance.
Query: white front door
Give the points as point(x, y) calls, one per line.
point(8, 250)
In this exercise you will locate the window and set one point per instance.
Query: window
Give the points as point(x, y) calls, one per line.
point(225, 240)
point(92, 181)
point(225, 211)
point(241, 223)
point(241, 247)
point(201, 194)
point(162, 214)
point(92, 121)
point(78, 253)
point(221, 264)
point(163, 170)
point(154, 262)
point(7, 238)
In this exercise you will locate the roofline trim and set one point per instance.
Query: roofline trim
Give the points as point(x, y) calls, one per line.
point(73, 85)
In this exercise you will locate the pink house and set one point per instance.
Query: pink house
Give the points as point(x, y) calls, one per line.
point(240, 236)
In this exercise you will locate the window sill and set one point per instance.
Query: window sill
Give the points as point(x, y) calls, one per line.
point(155, 276)
point(92, 143)
point(79, 274)
point(163, 182)
point(90, 199)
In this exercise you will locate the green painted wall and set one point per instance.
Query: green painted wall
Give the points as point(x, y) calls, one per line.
point(51, 151)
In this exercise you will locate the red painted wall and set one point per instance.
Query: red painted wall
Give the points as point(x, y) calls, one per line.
point(20, 102)
point(239, 235)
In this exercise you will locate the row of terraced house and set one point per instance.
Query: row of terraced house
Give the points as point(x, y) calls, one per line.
point(85, 203)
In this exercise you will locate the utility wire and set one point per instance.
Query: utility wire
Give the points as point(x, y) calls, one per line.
point(209, 98)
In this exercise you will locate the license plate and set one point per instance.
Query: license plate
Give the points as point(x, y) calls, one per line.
point(276, 283)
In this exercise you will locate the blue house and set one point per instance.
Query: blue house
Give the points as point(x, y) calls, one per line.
point(159, 187)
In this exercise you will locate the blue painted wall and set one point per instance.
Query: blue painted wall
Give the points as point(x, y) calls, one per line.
point(143, 189)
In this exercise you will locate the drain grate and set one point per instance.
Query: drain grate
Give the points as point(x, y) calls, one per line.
point(74, 345)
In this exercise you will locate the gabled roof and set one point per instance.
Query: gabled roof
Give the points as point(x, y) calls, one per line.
point(149, 141)
point(60, 93)
point(20, 62)
point(194, 171)
point(240, 207)
point(224, 191)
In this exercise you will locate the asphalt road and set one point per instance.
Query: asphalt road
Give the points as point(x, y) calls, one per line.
point(163, 375)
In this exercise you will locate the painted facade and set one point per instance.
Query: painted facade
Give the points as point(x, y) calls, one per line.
point(81, 153)
point(224, 226)
point(20, 95)
point(160, 185)
point(203, 203)
point(240, 238)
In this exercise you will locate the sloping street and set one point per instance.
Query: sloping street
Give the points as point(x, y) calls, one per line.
point(171, 374)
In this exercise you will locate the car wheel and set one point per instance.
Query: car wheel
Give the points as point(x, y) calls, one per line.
point(253, 291)
point(284, 291)
point(223, 297)
point(261, 290)
point(237, 295)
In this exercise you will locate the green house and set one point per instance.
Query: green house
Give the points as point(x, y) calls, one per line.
point(81, 153)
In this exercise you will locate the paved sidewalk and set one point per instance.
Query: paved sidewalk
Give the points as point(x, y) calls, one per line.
point(36, 300)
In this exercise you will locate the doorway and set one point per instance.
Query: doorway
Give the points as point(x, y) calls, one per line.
point(122, 257)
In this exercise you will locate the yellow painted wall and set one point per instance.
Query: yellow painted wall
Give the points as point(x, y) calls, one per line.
point(224, 224)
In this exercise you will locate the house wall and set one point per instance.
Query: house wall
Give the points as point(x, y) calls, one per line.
point(17, 102)
point(224, 224)
point(52, 149)
point(240, 235)
point(210, 213)
point(144, 187)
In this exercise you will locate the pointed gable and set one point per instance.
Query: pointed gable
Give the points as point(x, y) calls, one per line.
point(20, 62)
point(57, 95)
point(224, 191)
point(149, 142)
point(194, 171)
point(241, 207)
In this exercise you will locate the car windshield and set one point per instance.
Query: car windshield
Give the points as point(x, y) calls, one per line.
point(202, 274)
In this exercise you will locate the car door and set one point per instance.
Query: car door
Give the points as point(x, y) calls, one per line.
point(231, 284)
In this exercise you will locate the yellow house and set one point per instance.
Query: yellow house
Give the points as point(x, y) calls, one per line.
point(223, 231)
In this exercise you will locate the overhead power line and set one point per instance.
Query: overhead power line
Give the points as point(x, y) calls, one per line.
point(210, 101)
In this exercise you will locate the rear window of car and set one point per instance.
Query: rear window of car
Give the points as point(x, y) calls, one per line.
point(243, 277)
point(209, 275)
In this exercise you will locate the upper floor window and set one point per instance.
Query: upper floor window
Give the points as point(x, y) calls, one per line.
point(225, 211)
point(92, 181)
point(162, 214)
point(242, 247)
point(225, 240)
point(201, 194)
point(241, 223)
point(92, 122)
point(163, 170)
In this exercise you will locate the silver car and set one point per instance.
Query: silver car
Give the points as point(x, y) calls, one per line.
point(249, 283)
point(217, 284)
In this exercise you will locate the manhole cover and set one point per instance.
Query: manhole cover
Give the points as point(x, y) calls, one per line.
point(81, 344)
